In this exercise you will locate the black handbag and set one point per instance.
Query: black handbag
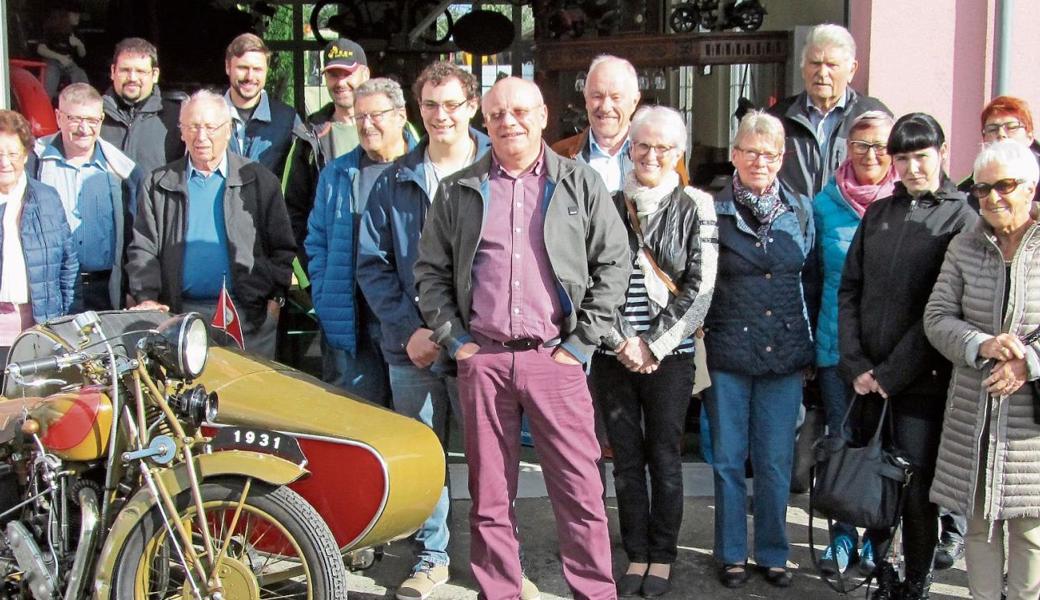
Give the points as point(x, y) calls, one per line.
point(859, 485)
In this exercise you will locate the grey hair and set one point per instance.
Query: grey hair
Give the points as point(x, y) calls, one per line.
point(829, 35)
point(871, 119)
point(207, 96)
point(626, 66)
point(757, 122)
point(1015, 157)
point(668, 120)
point(381, 85)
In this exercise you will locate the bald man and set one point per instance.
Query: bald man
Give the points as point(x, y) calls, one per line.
point(531, 295)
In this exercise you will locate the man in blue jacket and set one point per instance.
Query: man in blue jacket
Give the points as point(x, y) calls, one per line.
point(350, 330)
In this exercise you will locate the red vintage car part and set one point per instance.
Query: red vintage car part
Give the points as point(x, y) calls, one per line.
point(31, 97)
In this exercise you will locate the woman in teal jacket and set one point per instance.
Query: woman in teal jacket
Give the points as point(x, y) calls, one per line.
point(864, 177)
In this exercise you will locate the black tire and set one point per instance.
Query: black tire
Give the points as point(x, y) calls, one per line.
point(684, 18)
point(325, 575)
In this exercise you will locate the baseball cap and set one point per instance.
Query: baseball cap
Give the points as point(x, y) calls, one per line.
point(344, 54)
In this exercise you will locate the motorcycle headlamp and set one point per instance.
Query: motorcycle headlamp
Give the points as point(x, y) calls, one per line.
point(181, 345)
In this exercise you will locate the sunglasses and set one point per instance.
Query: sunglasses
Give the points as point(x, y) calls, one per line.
point(1003, 187)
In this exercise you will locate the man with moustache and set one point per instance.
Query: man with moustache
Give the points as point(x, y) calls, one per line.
point(139, 120)
point(816, 121)
point(209, 218)
point(328, 133)
point(522, 262)
point(351, 356)
point(611, 96)
point(261, 126)
point(98, 186)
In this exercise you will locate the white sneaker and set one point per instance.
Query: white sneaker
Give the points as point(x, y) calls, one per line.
point(528, 590)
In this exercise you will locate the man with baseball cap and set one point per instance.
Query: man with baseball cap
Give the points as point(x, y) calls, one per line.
point(329, 133)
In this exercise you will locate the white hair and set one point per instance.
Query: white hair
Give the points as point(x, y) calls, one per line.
point(872, 119)
point(629, 70)
point(382, 85)
point(829, 35)
point(207, 96)
point(667, 120)
point(757, 122)
point(1014, 156)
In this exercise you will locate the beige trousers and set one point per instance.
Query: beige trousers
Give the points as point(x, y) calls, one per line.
point(985, 557)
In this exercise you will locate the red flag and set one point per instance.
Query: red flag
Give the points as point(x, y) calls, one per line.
point(226, 318)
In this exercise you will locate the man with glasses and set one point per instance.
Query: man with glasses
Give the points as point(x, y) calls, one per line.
point(817, 121)
point(98, 186)
point(261, 126)
point(351, 357)
point(211, 220)
point(139, 120)
point(522, 263)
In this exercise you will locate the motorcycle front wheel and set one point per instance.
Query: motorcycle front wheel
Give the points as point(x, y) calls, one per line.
point(276, 546)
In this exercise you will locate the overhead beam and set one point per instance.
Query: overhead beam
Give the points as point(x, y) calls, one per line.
point(416, 32)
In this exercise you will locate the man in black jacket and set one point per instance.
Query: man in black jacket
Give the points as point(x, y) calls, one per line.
point(817, 120)
point(138, 119)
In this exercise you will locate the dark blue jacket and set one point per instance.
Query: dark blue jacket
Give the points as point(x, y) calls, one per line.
point(759, 321)
point(269, 132)
point(330, 245)
point(50, 255)
point(388, 245)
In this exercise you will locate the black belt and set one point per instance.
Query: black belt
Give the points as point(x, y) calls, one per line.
point(521, 344)
point(94, 276)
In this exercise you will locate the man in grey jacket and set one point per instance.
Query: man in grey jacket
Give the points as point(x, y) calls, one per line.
point(522, 262)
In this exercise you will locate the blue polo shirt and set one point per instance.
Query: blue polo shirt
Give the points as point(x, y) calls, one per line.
point(86, 193)
point(206, 262)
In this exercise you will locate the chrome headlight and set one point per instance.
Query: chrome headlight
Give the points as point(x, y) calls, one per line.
point(181, 345)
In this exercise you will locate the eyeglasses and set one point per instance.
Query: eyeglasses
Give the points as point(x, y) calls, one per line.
point(12, 156)
point(140, 73)
point(449, 106)
point(1009, 128)
point(1003, 187)
point(861, 148)
point(659, 149)
point(377, 117)
point(754, 155)
point(76, 121)
point(197, 128)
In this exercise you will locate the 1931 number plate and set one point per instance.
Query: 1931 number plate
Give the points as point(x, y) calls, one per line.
point(259, 440)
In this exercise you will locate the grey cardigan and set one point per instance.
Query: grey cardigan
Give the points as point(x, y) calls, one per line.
point(964, 311)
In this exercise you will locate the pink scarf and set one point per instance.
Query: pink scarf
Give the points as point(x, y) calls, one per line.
point(858, 195)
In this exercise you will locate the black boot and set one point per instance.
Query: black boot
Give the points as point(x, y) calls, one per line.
point(887, 581)
point(916, 586)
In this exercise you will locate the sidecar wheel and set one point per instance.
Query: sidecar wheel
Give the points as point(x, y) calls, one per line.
point(278, 548)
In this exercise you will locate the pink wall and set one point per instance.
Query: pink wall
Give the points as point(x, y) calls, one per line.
point(939, 57)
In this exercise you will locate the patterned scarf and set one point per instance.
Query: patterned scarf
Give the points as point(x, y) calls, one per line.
point(765, 207)
point(861, 196)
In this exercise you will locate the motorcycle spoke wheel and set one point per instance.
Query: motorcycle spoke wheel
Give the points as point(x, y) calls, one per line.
point(278, 547)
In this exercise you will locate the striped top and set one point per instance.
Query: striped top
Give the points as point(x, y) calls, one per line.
point(637, 310)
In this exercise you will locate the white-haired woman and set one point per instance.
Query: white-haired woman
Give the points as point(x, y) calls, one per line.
point(987, 298)
point(758, 344)
point(642, 377)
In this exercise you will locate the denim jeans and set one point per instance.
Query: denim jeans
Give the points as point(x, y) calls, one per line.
point(753, 416)
point(428, 397)
point(835, 394)
point(645, 416)
point(364, 374)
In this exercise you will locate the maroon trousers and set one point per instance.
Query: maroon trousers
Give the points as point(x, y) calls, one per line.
point(496, 386)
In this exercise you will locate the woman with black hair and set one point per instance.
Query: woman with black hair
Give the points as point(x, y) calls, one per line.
point(890, 269)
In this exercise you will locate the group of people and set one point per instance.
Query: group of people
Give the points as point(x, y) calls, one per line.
point(480, 275)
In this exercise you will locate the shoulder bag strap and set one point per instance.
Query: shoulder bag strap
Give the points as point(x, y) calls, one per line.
point(633, 218)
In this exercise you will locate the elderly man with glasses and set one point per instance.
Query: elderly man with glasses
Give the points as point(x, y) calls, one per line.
point(350, 329)
point(98, 185)
point(209, 221)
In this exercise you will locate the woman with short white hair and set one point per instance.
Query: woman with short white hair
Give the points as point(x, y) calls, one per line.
point(986, 300)
point(758, 344)
point(642, 376)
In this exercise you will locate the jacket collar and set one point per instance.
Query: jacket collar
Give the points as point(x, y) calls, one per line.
point(410, 167)
point(262, 112)
point(474, 175)
point(174, 175)
point(796, 111)
point(112, 159)
point(947, 192)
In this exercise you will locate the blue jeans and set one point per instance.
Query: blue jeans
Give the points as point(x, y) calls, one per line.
point(428, 397)
point(363, 374)
point(756, 416)
point(835, 394)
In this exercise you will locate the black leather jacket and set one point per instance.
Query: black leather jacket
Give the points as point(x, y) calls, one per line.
point(682, 236)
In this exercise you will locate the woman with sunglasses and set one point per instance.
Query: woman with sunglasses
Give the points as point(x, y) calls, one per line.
point(986, 300)
point(892, 264)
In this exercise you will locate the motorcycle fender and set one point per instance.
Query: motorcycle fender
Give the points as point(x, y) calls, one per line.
point(240, 463)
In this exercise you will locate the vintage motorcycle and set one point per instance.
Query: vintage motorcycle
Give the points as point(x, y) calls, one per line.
point(121, 477)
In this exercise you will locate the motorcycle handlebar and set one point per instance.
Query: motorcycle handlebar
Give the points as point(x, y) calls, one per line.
point(40, 365)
